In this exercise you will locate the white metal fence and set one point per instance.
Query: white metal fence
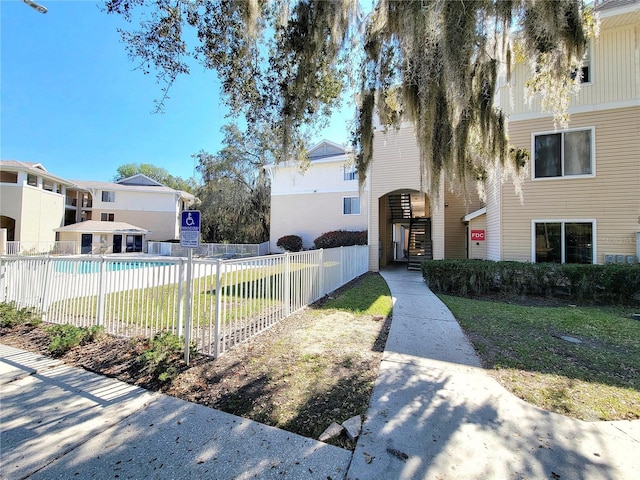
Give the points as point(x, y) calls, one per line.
point(232, 300)
point(40, 248)
point(210, 250)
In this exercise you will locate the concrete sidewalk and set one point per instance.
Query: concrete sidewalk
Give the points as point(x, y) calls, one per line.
point(62, 422)
point(435, 414)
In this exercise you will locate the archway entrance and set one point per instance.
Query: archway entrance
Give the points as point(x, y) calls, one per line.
point(10, 224)
point(405, 228)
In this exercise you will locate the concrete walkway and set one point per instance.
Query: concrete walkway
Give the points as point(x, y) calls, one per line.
point(61, 422)
point(435, 414)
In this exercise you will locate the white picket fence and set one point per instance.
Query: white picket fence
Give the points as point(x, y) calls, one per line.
point(232, 300)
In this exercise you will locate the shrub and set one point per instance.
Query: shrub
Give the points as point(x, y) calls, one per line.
point(63, 338)
point(341, 238)
point(595, 284)
point(291, 243)
point(10, 315)
point(160, 357)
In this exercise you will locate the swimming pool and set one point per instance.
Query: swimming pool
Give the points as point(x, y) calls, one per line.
point(90, 266)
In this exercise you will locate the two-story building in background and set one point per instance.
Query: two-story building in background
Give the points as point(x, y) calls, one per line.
point(323, 198)
point(40, 211)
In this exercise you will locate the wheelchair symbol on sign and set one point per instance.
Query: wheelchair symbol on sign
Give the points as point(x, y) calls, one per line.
point(189, 222)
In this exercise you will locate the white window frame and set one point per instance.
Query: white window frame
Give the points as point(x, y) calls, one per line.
point(344, 205)
point(350, 174)
point(587, 63)
point(563, 221)
point(107, 214)
point(111, 196)
point(562, 132)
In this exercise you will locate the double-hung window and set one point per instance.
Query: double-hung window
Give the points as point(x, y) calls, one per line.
point(108, 196)
point(351, 206)
point(563, 154)
point(350, 174)
point(585, 71)
point(563, 241)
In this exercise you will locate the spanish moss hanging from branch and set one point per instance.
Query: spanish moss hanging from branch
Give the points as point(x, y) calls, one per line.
point(435, 63)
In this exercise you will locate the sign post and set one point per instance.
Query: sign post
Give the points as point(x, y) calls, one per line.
point(190, 239)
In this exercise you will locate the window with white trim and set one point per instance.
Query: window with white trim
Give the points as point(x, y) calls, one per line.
point(351, 206)
point(563, 241)
point(585, 71)
point(108, 196)
point(350, 174)
point(107, 217)
point(563, 154)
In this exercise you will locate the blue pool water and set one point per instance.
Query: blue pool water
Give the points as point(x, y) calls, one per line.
point(94, 267)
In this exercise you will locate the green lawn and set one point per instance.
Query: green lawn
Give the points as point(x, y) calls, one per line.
point(592, 373)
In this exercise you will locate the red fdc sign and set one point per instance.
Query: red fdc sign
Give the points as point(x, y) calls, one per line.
point(477, 235)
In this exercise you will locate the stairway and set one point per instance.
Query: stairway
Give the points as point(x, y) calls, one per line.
point(420, 245)
point(400, 207)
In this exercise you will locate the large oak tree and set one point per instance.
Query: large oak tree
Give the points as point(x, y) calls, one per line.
point(435, 63)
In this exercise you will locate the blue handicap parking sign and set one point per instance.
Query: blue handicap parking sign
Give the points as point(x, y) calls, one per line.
point(191, 220)
point(190, 229)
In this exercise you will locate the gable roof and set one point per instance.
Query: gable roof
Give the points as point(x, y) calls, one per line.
point(140, 179)
point(19, 164)
point(326, 149)
point(91, 184)
point(33, 167)
point(96, 226)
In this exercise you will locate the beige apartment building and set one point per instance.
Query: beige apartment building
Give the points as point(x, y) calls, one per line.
point(581, 199)
point(581, 192)
point(325, 197)
point(32, 201)
point(37, 209)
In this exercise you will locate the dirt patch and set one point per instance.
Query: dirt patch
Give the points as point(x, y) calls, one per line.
point(313, 368)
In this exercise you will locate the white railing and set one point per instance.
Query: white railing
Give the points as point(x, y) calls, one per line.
point(232, 300)
point(41, 248)
point(210, 250)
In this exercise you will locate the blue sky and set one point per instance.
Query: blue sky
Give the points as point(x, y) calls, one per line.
point(72, 100)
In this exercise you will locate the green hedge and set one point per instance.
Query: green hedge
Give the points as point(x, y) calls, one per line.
point(341, 238)
point(595, 284)
point(291, 243)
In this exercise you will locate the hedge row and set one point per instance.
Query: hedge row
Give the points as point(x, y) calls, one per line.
point(594, 284)
point(341, 238)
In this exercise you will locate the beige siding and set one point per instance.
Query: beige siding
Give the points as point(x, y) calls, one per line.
point(11, 202)
point(311, 215)
point(611, 197)
point(454, 228)
point(615, 72)
point(396, 166)
point(493, 233)
point(42, 212)
point(161, 225)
